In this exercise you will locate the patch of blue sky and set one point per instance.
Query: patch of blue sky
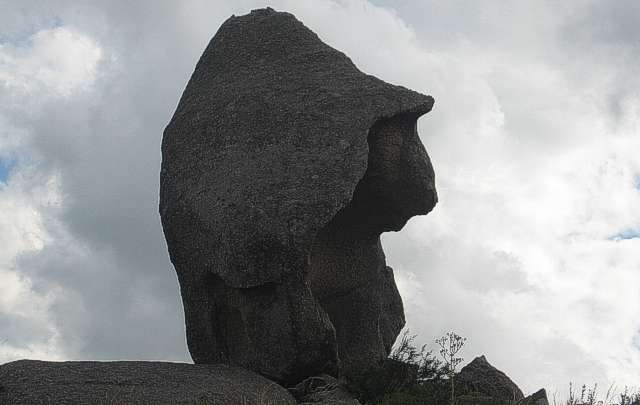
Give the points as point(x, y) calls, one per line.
point(637, 182)
point(6, 167)
point(629, 233)
point(23, 37)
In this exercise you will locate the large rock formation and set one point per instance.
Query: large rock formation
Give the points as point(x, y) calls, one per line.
point(135, 382)
point(282, 165)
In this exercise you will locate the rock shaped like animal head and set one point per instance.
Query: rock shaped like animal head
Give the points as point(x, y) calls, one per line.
point(282, 165)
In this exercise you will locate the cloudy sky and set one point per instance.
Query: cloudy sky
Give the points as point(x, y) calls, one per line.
point(533, 252)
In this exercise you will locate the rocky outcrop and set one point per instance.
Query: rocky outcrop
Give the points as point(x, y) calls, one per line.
point(480, 377)
point(281, 167)
point(134, 382)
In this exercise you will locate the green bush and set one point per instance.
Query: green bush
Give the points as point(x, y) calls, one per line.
point(409, 376)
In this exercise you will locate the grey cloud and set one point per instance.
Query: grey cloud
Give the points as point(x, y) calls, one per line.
point(19, 20)
point(19, 331)
point(479, 270)
point(613, 23)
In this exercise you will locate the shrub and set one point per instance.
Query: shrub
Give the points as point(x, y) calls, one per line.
point(409, 376)
point(450, 344)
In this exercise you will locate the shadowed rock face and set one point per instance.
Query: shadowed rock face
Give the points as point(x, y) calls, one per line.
point(282, 165)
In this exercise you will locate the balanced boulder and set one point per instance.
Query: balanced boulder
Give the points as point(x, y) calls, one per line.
point(281, 167)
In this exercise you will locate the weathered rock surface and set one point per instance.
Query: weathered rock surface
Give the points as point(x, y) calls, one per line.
point(282, 165)
point(135, 382)
point(480, 377)
point(322, 390)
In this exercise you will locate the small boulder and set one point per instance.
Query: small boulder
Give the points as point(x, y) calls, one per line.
point(480, 377)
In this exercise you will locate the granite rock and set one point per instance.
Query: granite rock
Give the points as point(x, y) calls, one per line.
point(281, 167)
point(135, 382)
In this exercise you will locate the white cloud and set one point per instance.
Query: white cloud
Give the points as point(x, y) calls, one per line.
point(50, 66)
point(57, 60)
point(28, 330)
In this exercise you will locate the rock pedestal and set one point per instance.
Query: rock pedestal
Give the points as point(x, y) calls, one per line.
point(281, 167)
